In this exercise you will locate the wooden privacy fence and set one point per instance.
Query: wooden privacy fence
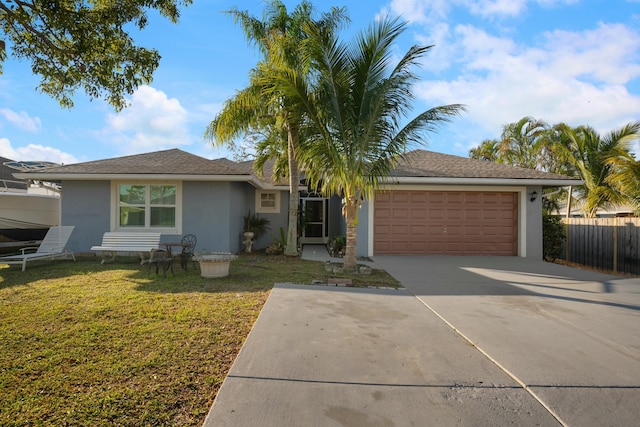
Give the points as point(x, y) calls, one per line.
point(606, 243)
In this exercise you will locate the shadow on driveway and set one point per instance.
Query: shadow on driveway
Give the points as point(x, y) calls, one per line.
point(569, 335)
point(444, 275)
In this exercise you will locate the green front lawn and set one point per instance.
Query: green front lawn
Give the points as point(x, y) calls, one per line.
point(90, 344)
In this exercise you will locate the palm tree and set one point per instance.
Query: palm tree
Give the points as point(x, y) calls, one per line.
point(259, 105)
point(520, 143)
point(626, 175)
point(487, 150)
point(595, 158)
point(356, 107)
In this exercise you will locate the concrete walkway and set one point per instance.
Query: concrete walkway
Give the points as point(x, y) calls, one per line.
point(471, 341)
point(319, 253)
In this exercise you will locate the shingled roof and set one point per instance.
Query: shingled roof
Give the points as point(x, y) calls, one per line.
point(415, 167)
point(167, 162)
point(428, 164)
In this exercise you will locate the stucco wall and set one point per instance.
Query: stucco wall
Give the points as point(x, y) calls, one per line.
point(362, 243)
point(276, 220)
point(86, 204)
point(207, 212)
point(337, 226)
point(213, 211)
point(533, 228)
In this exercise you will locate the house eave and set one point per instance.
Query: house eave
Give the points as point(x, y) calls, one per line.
point(138, 176)
point(275, 187)
point(483, 181)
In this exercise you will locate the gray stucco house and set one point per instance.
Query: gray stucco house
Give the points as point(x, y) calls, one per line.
point(433, 204)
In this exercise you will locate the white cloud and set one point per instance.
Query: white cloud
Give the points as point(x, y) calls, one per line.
point(152, 122)
point(573, 77)
point(607, 54)
point(487, 8)
point(439, 57)
point(420, 11)
point(34, 152)
point(430, 11)
point(21, 120)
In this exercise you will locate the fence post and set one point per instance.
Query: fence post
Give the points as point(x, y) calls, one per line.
point(615, 244)
point(566, 242)
point(566, 222)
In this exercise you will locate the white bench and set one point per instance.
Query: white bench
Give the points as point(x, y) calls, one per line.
point(126, 241)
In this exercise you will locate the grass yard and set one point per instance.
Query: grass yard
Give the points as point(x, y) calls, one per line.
point(90, 344)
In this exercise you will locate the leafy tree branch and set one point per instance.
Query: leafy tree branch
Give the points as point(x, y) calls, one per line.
point(77, 44)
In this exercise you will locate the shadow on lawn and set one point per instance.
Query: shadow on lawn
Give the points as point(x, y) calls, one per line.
point(87, 269)
point(47, 270)
point(248, 273)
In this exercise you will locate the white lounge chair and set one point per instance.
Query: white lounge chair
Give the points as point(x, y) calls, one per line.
point(54, 245)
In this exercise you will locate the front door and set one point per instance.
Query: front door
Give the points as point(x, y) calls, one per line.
point(314, 220)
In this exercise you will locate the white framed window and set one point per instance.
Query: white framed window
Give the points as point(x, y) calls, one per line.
point(267, 201)
point(146, 206)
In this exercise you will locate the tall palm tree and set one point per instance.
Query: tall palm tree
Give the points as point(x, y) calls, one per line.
point(520, 143)
point(278, 37)
point(487, 150)
point(626, 175)
point(595, 158)
point(356, 107)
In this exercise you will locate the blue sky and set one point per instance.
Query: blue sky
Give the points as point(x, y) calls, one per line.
point(567, 61)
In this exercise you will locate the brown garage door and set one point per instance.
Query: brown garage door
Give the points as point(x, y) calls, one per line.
point(445, 222)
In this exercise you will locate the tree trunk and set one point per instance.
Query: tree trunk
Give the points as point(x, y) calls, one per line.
point(350, 212)
point(291, 249)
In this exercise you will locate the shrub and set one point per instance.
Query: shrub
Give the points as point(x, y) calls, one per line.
point(337, 245)
point(255, 224)
point(277, 247)
point(552, 237)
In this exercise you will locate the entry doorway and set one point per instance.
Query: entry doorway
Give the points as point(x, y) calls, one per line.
point(315, 226)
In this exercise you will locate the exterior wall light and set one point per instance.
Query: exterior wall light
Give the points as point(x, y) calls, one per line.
point(534, 196)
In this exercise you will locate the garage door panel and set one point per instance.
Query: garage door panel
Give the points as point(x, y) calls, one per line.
point(400, 214)
point(472, 214)
point(474, 232)
point(399, 247)
point(435, 214)
point(422, 222)
point(418, 230)
point(507, 215)
point(418, 197)
point(382, 229)
point(454, 198)
point(454, 216)
point(401, 197)
point(475, 247)
point(418, 214)
point(400, 229)
point(383, 213)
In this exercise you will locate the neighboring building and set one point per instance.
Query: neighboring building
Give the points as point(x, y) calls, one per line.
point(434, 204)
point(622, 211)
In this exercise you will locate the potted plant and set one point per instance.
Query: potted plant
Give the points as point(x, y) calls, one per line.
point(254, 228)
point(277, 247)
point(337, 245)
point(214, 264)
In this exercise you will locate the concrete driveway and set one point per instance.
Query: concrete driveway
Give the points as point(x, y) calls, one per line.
point(570, 336)
point(472, 341)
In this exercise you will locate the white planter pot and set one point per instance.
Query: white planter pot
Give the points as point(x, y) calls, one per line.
point(247, 241)
point(214, 265)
